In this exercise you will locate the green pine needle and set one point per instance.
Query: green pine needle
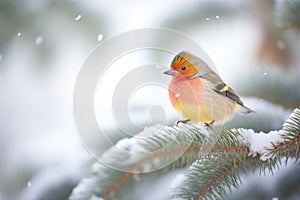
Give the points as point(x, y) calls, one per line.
point(215, 159)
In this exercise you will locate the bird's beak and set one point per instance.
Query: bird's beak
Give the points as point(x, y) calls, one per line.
point(171, 72)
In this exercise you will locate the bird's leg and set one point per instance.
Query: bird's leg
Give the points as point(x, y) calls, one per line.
point(210, 123)
point(183, 121)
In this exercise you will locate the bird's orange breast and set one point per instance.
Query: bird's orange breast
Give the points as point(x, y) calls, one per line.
point(185, 91)
point(192, 99)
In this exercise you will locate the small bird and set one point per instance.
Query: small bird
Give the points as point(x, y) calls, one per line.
point(199, 94)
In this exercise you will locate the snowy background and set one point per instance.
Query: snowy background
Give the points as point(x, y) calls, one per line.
point(43, 44)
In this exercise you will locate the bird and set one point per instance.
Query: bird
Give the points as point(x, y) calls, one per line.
point(198, 93)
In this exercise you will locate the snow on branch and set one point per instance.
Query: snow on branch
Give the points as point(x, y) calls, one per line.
point(208, 178)
point(215, 157)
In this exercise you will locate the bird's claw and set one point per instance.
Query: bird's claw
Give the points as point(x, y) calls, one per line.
point(209, 124)
point(183, 121)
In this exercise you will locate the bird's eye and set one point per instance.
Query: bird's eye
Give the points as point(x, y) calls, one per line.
point(183, 68)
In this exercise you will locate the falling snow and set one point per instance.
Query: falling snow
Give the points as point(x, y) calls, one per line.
point(78, 17)
point(207, 19)
point(265, 74)
point(19, 34)
point(29, 184)
point(177, 95)
point(39, 40)
point(100, 37)
point(280, 44)
point(217, 17)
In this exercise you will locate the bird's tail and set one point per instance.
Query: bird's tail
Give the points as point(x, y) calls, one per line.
point(244, 110)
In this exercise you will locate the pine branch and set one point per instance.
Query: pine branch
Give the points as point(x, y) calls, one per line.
point(216, 158)
point(153, 149)
point(208, 178)
point(290, 146)
point(287, 14)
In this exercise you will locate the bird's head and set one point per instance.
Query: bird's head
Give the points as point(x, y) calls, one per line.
point(182, 66)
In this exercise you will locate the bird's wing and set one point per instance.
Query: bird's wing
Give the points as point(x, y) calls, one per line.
point(214, 80)
point(228, 92)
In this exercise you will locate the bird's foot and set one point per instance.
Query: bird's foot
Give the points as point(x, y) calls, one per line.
point(183, 121)
point(209, 124)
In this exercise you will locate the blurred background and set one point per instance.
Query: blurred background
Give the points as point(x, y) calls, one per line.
point(254, 45)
